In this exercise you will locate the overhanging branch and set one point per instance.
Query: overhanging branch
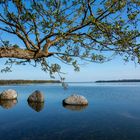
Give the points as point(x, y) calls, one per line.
point(13, 52)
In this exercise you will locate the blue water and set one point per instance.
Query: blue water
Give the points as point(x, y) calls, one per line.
point(113, 113)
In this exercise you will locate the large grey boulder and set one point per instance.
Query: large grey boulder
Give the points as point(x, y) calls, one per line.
point(9, 94)
point(36, 96)
point(75, 100)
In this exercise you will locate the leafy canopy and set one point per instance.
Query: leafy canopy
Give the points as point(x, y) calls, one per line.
point(69, 30)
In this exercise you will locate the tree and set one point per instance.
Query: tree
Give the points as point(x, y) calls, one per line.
point(69, 30)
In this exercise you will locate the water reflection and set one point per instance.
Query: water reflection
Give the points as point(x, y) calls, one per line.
point(36, 106)
point(75, 107)
point(8, 104)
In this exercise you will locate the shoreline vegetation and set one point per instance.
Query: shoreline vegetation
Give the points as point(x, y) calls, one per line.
point(118, 81)
point(9, 82)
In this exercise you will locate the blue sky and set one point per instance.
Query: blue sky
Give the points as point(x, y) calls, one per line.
point(115, 69)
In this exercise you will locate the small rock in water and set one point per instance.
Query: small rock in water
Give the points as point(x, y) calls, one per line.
point(75, 100)
point(36, 96)
point(9, 94)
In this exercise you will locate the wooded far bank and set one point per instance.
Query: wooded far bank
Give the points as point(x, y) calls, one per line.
point(113, 81)
point(8, 82)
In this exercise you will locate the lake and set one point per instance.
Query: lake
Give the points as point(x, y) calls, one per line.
point(113, 113)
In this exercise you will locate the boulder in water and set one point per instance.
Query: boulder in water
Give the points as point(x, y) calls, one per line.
point(9, 94)
point(75, 100)
point(36, 96)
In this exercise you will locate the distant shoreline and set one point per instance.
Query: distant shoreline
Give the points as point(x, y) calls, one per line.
point(118, 81)
point(10, 82)
point(18, 82)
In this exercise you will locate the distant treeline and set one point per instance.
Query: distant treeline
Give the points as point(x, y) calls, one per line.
point(113, 81)
point(7, 82)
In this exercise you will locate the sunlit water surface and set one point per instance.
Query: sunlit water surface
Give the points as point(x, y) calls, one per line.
point(113, 113)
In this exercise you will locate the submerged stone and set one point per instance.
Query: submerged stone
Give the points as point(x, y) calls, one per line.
point(36, 106)
point(75, 107)
point(75, 100)
point(7, 104)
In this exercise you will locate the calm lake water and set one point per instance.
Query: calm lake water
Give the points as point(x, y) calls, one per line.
point(113, 113)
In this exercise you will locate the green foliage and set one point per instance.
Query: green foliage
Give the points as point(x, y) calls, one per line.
point(74, 30)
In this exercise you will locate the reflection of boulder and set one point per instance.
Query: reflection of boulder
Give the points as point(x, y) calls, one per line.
point(36, 96)
point(7, 104)
point(75, 100)
point(75, 107)
point(9, 94)
point(36, 106)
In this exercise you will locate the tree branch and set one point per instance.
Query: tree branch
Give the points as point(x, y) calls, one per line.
point(21, 53)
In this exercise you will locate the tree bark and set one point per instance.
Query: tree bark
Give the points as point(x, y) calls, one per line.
point(6, 52)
